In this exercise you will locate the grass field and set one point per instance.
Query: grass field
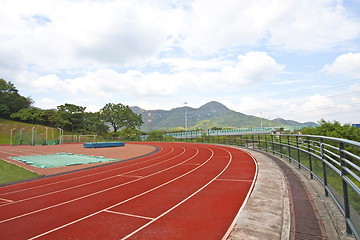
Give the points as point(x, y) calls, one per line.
point(11, 173)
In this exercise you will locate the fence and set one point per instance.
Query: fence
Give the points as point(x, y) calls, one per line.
point(78, 138)
point(239, 131)
point(334, 162)
point(34, 136)
point(44, 136)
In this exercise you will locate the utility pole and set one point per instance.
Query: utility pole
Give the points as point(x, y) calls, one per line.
point(185, 117)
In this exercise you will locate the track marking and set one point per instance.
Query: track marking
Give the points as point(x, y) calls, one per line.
point(129, 215)
point(4, 201)
point(186, 199)
point(71, 179)
point(92, 194)
point(132, 176)
point(231, 227)
point(233, 180)
point(127, 200)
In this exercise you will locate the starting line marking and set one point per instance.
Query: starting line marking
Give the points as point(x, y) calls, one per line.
point(133, 176)
point(129, 215)
point(4, 201)
point(234, 180)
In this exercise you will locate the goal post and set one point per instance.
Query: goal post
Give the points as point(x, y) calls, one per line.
point(69, 138)
point(87, 138)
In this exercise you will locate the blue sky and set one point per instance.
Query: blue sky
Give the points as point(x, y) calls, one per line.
point(297, 60)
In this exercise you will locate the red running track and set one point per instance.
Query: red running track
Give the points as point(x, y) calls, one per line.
point(184, 191)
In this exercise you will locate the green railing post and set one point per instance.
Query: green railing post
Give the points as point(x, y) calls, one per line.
point(323, 165)
point(265, 143)
point(345, 187)
point(288, 138)
point(298, 151)
point(253, 142)
point(280, 147)
point(272, 144)
point(310, 162)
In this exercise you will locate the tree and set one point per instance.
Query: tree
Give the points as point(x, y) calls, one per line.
point(130, 134)
point(69, 117)
point(93, 123)
point(29, 115)
point(155, 135)
point(119, 115)
point(334, 129)
point(10, 100)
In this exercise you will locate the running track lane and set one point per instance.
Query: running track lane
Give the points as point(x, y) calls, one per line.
point(184, 191)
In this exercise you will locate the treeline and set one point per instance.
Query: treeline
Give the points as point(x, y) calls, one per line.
point(334, 129)
point(118, 118)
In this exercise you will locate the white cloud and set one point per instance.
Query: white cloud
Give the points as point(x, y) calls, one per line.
point(291, 24)
point(252, 68)
point(159, 53)
point(106, 84)
point(346, 64)
point(53, 82)
point(47, 103)
point(317, 102)
point(54, 35)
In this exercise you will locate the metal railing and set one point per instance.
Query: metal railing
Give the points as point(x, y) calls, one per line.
point(237, 131)
point(334, 162)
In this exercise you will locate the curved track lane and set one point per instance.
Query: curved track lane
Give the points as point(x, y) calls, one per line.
point(184, 191)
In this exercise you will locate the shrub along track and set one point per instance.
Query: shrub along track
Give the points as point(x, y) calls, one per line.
point(183, 191)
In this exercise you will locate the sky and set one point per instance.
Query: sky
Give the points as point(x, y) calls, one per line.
point(293, 59)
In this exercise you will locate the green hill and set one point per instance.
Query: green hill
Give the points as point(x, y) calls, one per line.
point(212, 114)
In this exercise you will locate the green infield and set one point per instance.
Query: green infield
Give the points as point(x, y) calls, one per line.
point(11, 173)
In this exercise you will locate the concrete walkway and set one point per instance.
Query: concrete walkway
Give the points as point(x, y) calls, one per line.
point(267, 215)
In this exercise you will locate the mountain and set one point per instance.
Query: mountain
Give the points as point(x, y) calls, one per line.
point(212, 114)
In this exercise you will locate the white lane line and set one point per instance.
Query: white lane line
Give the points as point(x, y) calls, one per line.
point(127, 200)
point(186, 199)
point(246, 199)
point(110, 170)
point(129, 215)
point(95, 193)
point(71, 179)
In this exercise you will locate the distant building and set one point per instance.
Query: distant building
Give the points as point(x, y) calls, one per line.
point(357, 125)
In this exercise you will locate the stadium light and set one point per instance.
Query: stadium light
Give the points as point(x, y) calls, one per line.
point(185, 117)
point(46, 141)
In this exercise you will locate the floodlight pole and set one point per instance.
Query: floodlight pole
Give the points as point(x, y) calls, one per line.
point(185, 118)
point(11, 136)
point(46, 141)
